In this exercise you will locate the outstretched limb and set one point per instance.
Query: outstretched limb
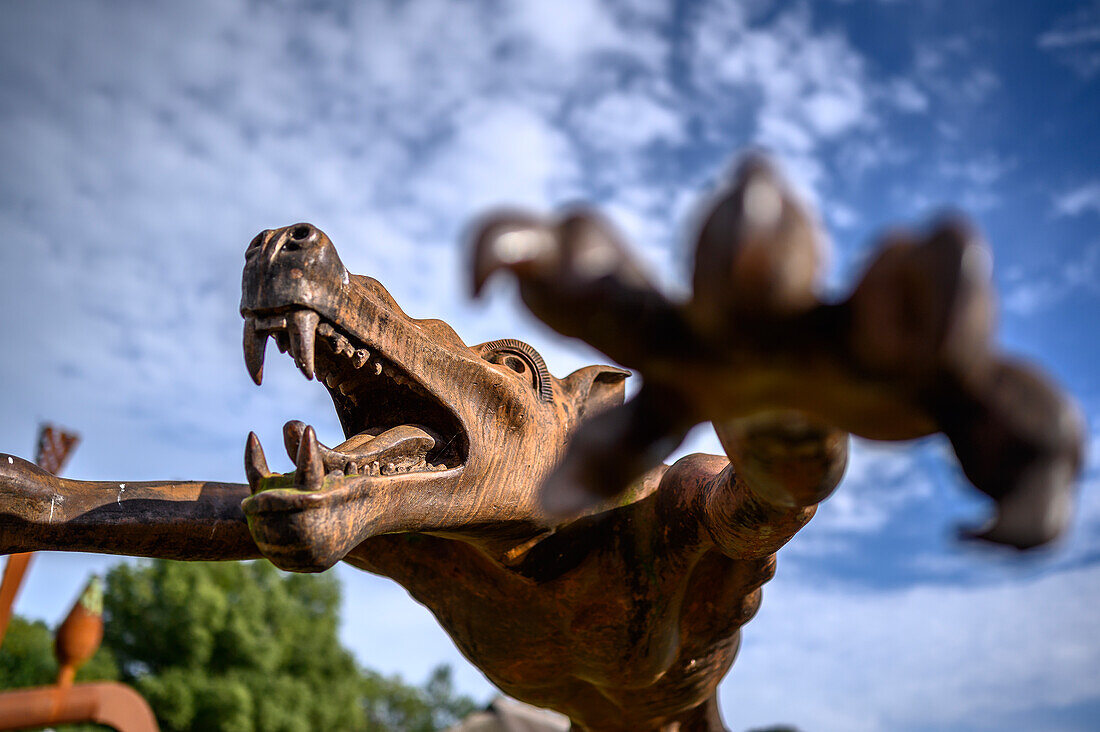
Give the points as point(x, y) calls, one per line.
point(907, 354)
point(169, 520)
point(781, 466)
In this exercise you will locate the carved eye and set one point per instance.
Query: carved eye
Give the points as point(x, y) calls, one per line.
point(524, 360)
point(515, 363)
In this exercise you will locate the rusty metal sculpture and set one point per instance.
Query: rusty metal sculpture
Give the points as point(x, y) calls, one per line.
point(103, 702)
point(533, 515)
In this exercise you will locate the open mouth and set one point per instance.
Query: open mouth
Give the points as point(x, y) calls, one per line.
point(393, 421)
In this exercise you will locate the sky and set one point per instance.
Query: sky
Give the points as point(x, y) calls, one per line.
point(145, 144)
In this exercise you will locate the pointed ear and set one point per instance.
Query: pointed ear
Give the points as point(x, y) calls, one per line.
point(593, 389)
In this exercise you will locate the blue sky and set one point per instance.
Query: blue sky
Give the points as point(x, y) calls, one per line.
point(145, 144)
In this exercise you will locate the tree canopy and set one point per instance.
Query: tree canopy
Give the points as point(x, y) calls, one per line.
point(236, 647)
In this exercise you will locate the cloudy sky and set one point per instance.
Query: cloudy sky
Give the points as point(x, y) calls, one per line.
point(145, 144)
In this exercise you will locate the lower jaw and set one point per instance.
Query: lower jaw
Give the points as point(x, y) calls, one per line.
point(302, 531)
point(306, 540)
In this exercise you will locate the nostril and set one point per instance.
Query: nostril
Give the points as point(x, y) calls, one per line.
point(301, 232)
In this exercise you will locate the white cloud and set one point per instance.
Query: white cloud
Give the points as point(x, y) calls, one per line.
point(842, 216)
point(976, 180)
point(1078, 200)
point(1074, 40)
point(587, 28)
point(628, 119)
point(907, 96)
point(500, 154)
point(811, 85)
point(978, 171)
point(1027, 292)
point(950, 70)
point(880, 480)
point(925, 657)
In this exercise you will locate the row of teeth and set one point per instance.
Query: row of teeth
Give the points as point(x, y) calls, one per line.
point(310, 463)
point(341, 346)
point(297, 333)
point(359, 358)
point(375, 468)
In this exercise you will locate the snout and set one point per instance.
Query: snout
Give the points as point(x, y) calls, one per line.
point(295, 266)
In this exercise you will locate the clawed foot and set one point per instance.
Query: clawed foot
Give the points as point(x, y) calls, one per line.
point(909, 353)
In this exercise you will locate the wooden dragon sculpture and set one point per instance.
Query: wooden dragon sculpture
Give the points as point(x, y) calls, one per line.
point(533, 515)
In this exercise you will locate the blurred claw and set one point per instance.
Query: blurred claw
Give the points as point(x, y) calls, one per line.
point(612, 449)
point(1036, 513)
point(925, 305)
point(581, 279)
point(511, 240)
point(908, 354)
point(1020, 442)
point(758, 250)
point(593, 250)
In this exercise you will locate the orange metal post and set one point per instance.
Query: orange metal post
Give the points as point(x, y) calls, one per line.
point(115, 705)
point(13, 577)
point(77, 639)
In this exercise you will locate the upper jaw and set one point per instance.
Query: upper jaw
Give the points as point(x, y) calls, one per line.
point(395, 393)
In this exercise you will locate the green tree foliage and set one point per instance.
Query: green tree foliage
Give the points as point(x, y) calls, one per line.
point(393, 706)
point(232, 646)
point(236, 647)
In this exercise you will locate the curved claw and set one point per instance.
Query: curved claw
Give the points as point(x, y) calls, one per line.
point(925, 305)
point(579, 278)
point(1036, 513)
point(758, 250)
point(1020, 442)
point(579, 248)
point(612, 449)
point(510, 240)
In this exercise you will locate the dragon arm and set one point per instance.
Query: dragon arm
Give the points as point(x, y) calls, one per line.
point(169, 520)
point(781, 466)
point(909, 353)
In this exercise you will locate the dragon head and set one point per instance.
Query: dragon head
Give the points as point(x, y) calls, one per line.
point(441, 437)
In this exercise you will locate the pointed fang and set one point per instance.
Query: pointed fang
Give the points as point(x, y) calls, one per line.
point(311, 469)
point(255, 464)
point(303, 331)
point(255, 343)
